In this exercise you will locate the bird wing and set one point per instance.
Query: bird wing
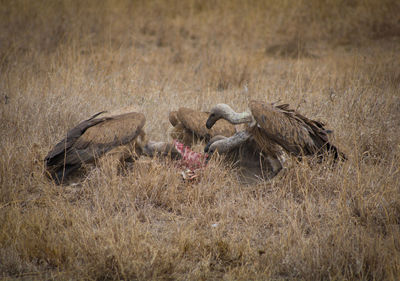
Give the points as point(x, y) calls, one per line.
point(291, 130)
point(94, 137)
point(112, 132)
point(57, 153)
point(195, 121)
point(173, 118)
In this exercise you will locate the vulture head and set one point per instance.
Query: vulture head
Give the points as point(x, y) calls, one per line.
point(224, 111)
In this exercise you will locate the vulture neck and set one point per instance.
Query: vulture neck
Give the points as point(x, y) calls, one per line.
point(227, 144)
point(237, 118)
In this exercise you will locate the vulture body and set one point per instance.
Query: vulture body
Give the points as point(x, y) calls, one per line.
point(189, 126)
point(102, 133)
point(273, 126)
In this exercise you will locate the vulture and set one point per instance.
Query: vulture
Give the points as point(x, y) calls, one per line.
point(189, 126)
point(272, 126)
point(246, 156)
point(118, 133)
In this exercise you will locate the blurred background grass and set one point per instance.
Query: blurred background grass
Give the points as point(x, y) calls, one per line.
point(45, 25)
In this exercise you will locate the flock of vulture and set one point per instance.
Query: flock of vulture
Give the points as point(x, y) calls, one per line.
point(253, 141)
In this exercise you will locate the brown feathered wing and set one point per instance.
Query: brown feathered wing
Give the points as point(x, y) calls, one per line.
point(189, 126)
point(195, 121)
point(173, 118)
point(92, 138)
point(291, 130)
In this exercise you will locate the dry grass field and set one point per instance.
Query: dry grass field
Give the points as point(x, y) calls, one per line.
point(335, 61)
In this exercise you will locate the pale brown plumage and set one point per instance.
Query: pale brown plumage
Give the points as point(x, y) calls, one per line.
point(279, 125)
point(189, 126)
point(296, 133)
point(102, 133)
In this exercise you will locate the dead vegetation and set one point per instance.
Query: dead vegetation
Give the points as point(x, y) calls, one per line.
point(60, 62)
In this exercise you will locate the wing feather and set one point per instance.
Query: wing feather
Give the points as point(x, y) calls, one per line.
point(114, 131)
point(294, 132)
point(195, 121)
point(57, 153)
point(93, 138)
point(173, 118)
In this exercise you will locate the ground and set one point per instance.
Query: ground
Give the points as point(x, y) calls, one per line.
point(334, 61)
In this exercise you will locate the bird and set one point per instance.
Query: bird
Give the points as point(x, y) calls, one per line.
point(119, 133)
point(189, 126)
point(273, 126)
point(246, 156)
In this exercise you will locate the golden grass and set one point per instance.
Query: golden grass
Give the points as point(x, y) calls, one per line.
point(62, 61)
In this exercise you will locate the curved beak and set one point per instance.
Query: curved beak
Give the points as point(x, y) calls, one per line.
point(207, 147)
point(208, 157)
point(210, 122)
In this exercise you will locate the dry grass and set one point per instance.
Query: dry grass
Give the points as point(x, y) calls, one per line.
point(62, 61)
